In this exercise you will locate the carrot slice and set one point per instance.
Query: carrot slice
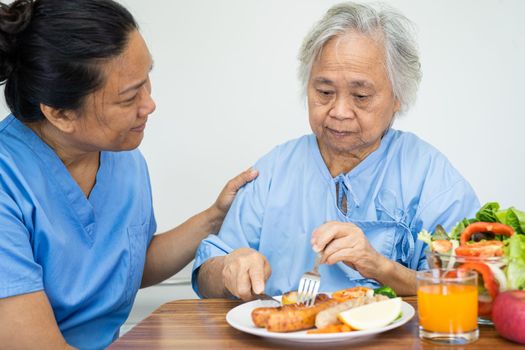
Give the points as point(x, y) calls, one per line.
point(333, 328)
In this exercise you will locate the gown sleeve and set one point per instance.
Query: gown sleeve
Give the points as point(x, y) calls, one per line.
point(242, 225)
point(447, 208)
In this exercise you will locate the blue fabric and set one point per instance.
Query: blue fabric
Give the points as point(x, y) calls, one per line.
point(402, 187)
point(87, 254)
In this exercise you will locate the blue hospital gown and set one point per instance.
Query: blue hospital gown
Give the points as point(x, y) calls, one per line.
point(86, 254)
point(404, 186)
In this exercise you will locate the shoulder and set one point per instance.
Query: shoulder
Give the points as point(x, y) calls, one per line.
point(275, 162)
point(288, 153)
point(419, 156)
point(412, 145)
point(4, 123)
point(436, 183)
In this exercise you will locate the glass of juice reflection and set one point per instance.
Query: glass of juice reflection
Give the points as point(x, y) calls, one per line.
point(447, 306)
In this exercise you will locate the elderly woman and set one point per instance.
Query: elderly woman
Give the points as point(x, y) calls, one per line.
point(76, 214)
point(355, 190)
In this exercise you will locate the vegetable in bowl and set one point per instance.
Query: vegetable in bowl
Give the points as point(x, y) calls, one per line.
point(492, 244)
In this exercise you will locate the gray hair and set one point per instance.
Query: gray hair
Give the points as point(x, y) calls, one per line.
point(402, 58)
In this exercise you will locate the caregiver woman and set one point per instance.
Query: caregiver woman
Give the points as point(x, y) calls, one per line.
point(76, 215)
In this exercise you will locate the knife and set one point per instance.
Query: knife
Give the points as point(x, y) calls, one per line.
point(264, 296)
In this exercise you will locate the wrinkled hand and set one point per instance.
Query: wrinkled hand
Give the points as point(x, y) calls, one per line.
point(341, 241)
point(225, 199)
point(245, 272)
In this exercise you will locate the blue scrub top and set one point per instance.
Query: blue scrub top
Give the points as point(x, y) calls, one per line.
point(405, 185)
point(86, 254)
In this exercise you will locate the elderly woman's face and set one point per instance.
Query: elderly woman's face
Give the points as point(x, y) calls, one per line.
point(114, 117)
point(350, 98)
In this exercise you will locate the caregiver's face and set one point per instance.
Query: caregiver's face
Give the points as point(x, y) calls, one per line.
point(115, 116)
point(350, 98)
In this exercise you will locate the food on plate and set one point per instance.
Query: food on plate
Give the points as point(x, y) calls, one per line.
point(291, 317)
point(509, 315)
point(332, 328)
point(492, 244)
point(289, 298)
point(373, 315)
point(261, 315)
point(329, 316)
point(386, 291)
point(351, 293)
point(291, 320)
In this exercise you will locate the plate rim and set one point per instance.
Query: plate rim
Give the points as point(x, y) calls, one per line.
point(408, 312)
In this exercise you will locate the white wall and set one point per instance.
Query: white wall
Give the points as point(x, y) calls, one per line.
point(226, 90)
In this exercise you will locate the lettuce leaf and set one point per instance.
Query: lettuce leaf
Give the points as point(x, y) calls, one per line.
point(455, 233)
point(491, 212)
point(488, 212)
point(515, 251)
point(514, 218)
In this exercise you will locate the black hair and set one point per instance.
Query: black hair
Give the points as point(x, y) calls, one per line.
point(51, 50)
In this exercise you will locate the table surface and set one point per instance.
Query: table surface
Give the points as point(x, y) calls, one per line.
point(201, 324)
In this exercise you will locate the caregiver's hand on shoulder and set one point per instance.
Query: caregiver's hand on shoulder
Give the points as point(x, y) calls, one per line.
point(228, 193)
point(220, 208)
point(245, 272)
point(345, 242)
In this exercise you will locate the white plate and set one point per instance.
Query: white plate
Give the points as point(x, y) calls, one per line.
point(240, 318)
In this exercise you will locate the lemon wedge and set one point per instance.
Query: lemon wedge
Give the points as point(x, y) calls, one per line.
point(374, 315)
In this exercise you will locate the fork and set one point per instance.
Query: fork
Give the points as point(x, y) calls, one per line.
point(309, 284)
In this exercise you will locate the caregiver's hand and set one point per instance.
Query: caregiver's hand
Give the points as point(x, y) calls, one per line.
point(342, 241)
point(228, 193)
point(245, 272)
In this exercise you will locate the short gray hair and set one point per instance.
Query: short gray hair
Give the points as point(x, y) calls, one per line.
point(402, 58)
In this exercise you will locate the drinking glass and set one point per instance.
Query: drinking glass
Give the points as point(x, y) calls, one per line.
point(496, 265)
point(447, 306)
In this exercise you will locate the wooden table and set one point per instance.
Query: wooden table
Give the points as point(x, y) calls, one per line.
point(201, 324)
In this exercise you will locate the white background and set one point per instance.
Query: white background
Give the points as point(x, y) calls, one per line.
point(227, 92)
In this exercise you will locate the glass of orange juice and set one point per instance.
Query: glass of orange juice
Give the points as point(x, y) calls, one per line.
point(447, 305)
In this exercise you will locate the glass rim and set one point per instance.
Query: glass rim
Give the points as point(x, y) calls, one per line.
point(436, 275)
point(495, 259)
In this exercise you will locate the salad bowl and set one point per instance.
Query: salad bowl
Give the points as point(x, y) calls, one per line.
point(492, 244)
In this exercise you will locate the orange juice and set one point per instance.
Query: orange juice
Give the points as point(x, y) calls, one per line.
point(448, 308)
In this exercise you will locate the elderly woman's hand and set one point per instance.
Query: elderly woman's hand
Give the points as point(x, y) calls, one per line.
point(245, 272)
point(340, 241)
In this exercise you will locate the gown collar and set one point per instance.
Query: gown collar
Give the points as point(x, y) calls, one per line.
point(344, 180)
point(365, 164)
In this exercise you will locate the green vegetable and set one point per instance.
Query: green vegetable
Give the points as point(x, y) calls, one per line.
point(456, 231)
point(487, 213)
point(491, 212)
point(386, 291)
point(515, 251)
